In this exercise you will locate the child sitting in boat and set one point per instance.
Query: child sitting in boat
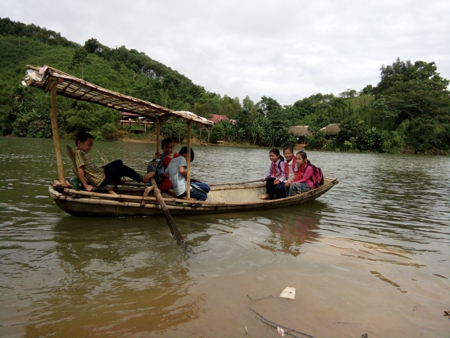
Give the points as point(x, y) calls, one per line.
point(177, 171)
point(167, 148)
point(92, 176)
point(275, 175)
point(302, 181)
point(291, 169)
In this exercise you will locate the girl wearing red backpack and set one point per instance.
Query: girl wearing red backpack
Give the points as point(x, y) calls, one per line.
point(302, 181)
point(275, 175)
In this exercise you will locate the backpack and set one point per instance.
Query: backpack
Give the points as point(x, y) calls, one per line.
point(156, 165)
point(201, 186)
point(317, 176)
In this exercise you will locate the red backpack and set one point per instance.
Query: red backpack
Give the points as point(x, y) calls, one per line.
point(317, 176)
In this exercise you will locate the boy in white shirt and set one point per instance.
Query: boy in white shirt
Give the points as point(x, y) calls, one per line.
point(177, 171)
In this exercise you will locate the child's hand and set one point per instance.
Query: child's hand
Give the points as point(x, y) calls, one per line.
point(263, 179)
point(89, 187)
point(276, 181)
point(287, 184)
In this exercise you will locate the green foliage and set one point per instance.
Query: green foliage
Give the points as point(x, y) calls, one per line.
point(413, 98)
point(401, 72)
point(174, 128)
point(393, 141)
point(408, 110)
point(316, 141)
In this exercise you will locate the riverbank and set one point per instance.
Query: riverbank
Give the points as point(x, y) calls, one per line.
point(194, 142)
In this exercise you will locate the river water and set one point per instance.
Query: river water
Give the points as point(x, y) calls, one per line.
point(370, 256)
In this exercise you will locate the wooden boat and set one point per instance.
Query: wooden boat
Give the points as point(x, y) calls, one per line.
point(130, 200)
point(137, 199)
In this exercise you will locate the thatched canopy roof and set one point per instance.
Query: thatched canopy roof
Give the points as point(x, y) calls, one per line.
point(300, 131)
point(70, 86)
point(332, 129)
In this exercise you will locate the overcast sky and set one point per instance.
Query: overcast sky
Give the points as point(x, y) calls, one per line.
point(284, 49)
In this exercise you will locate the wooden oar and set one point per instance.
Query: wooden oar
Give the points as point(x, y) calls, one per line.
point(173, 228)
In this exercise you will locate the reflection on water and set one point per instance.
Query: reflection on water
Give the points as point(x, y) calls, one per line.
point(371, 255)
point(117, 278)
point(290, 231)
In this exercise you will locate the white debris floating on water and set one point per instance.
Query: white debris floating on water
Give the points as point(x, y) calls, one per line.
point(288, 293)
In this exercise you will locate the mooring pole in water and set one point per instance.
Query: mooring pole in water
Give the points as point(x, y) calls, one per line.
point(188, 176)
point(55, 132)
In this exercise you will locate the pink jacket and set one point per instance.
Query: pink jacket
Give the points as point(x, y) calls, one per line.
point(306, 176)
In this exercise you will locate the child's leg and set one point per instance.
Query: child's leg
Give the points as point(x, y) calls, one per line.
point(113, 164)
point(113, 173)
point(296, 188)
point(279, 190)
point(270, 187)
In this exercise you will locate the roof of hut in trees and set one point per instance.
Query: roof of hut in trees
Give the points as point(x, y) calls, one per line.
point(332, 129)
point(300, 131)
point(217, 118)
point(67, 85)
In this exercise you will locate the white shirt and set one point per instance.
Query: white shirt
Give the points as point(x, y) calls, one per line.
point(291, 175)
point(178, 180)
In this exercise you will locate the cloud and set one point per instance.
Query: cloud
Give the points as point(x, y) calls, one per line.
point(285, 50)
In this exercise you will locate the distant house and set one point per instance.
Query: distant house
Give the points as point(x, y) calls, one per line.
point(332, 129)
point(140, 123)
point(300, 132)
point(217, 118)
point(129, 119)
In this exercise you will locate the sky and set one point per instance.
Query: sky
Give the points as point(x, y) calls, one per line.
point(284, 49)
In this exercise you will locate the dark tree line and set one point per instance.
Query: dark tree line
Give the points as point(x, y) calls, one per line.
point(407, 111)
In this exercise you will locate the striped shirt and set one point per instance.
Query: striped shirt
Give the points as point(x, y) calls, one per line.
point(94, 175)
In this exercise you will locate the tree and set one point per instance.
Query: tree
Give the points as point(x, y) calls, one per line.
point(93, 46)
point(269, 107)
point(401, 71)
point(249, 106)
point(349, 94)
point(174, 128)
point(80, 58)
point(367, 90)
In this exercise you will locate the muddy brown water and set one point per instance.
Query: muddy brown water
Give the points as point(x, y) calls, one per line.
point(371, 256)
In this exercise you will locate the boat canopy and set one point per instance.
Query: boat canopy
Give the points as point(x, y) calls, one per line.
point(70, 86)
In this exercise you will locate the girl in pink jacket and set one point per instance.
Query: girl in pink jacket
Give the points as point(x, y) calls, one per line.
point(303, 181)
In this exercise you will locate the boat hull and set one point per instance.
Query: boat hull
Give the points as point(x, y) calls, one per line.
point(222, 198)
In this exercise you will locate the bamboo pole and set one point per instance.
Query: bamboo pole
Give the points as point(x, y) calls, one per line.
point(237, 183)
point(173, 228)
point(188, 176)
point(55, 132)
point(158, 126)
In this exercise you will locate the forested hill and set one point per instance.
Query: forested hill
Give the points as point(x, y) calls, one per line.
point(408, 111)
point(127, 71)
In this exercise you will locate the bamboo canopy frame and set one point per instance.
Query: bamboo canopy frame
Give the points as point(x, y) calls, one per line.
point(60, 83)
